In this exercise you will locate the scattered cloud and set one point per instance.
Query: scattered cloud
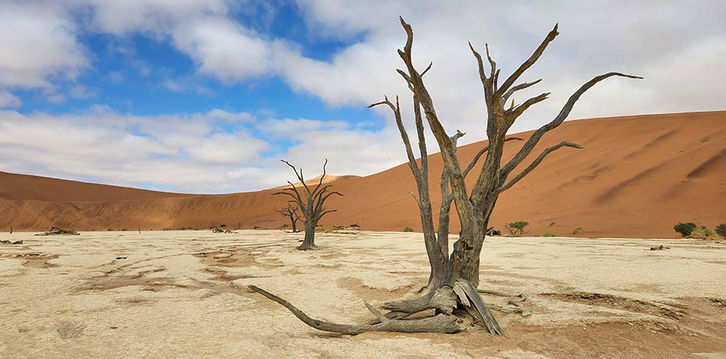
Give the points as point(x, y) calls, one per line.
point(679, 48)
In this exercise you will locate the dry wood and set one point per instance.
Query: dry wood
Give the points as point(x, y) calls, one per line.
point(57, 231)
point(475, 206)
point(475, 305)
point(437, 324)
point(310, 201)
point(292, 213)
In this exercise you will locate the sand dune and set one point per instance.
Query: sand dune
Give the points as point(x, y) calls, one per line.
point(636, 177)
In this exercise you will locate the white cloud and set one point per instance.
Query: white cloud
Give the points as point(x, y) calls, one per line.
point(156, 17)
point(187, 151)
point(8, 100)
point(39, 45)
point(82, 92)
point(223, 49)
point(678, 46)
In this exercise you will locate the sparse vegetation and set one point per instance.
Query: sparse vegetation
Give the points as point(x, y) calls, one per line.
point(577, 231)
point(408, 229)
point(685, 229)
point(721, 229)
point(516, 229)
point(549, 234)
point(704, 232)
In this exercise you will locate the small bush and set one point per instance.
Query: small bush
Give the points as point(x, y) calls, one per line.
point(408, 229)
point(516, 228)
point(685, 229)
point(578, 230)
point(721, 229)
point(549, 234)
point(324, 229)
point(704, 232)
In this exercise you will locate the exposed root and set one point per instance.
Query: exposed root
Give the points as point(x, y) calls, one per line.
point(442, 299)
point(436, 324)
point(512, 306)
point(474, 304)
point(307, 247)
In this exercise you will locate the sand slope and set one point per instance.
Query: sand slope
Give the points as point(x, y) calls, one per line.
point(636, 177)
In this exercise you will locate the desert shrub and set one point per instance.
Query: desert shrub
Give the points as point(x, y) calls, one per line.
point(721, 229)
point(324, 229)
point(408, 229)
point(549, 234)
point(703, 232)
point(578, 230)
point(685, 229)
point(516, 228)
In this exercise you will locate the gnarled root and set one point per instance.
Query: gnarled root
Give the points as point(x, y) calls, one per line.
point(442, 299)
point(474, 304)
point(436, 324)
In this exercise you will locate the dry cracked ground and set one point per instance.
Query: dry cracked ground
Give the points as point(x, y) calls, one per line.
point(183, 295)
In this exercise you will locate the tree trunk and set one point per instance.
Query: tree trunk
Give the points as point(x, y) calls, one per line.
point(294, 224)
point(309, 241)
point(467, 250)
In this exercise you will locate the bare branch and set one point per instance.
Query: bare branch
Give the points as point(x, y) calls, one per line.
point(322, 176)
point(427, 68)
point(396, 109)
point(515, 112)
point(516, 88)
point(536, 162)
point(528, 63)
point(481, 152)
point(298, 175)
point(564, 112)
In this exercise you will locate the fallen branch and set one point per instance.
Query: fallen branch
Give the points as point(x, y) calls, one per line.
point(437, 324)
point(57, 231)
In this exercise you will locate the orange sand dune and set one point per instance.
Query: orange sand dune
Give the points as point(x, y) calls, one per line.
point(636, 177)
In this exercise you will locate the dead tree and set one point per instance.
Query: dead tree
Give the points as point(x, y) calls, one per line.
point(57, 231)
point(474, 207)
point(311, 202)
point(436, 241)
point(291, 212)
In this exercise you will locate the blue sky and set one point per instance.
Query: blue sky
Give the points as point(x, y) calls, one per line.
point(208, 95)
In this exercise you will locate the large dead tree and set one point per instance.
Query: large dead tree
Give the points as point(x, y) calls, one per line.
point(291, 212)
point(457, 290)
point(311, 202)
point(436, 241)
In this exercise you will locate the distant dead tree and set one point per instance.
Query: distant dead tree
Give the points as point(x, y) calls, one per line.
point(291, 212)
point(457, 291)
point(311, 202)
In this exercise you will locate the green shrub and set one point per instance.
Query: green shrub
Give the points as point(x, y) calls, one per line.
point(408, 229)
point(685, 229)
point(721, 229)
point(516, 228)
point(578, 230)
point(549, 234)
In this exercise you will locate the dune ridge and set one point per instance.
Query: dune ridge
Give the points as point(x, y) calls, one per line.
point(636, 177)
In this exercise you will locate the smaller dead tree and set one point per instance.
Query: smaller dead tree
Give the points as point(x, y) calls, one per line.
point(57, 231)
point(311, 202)
point(291, 212)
